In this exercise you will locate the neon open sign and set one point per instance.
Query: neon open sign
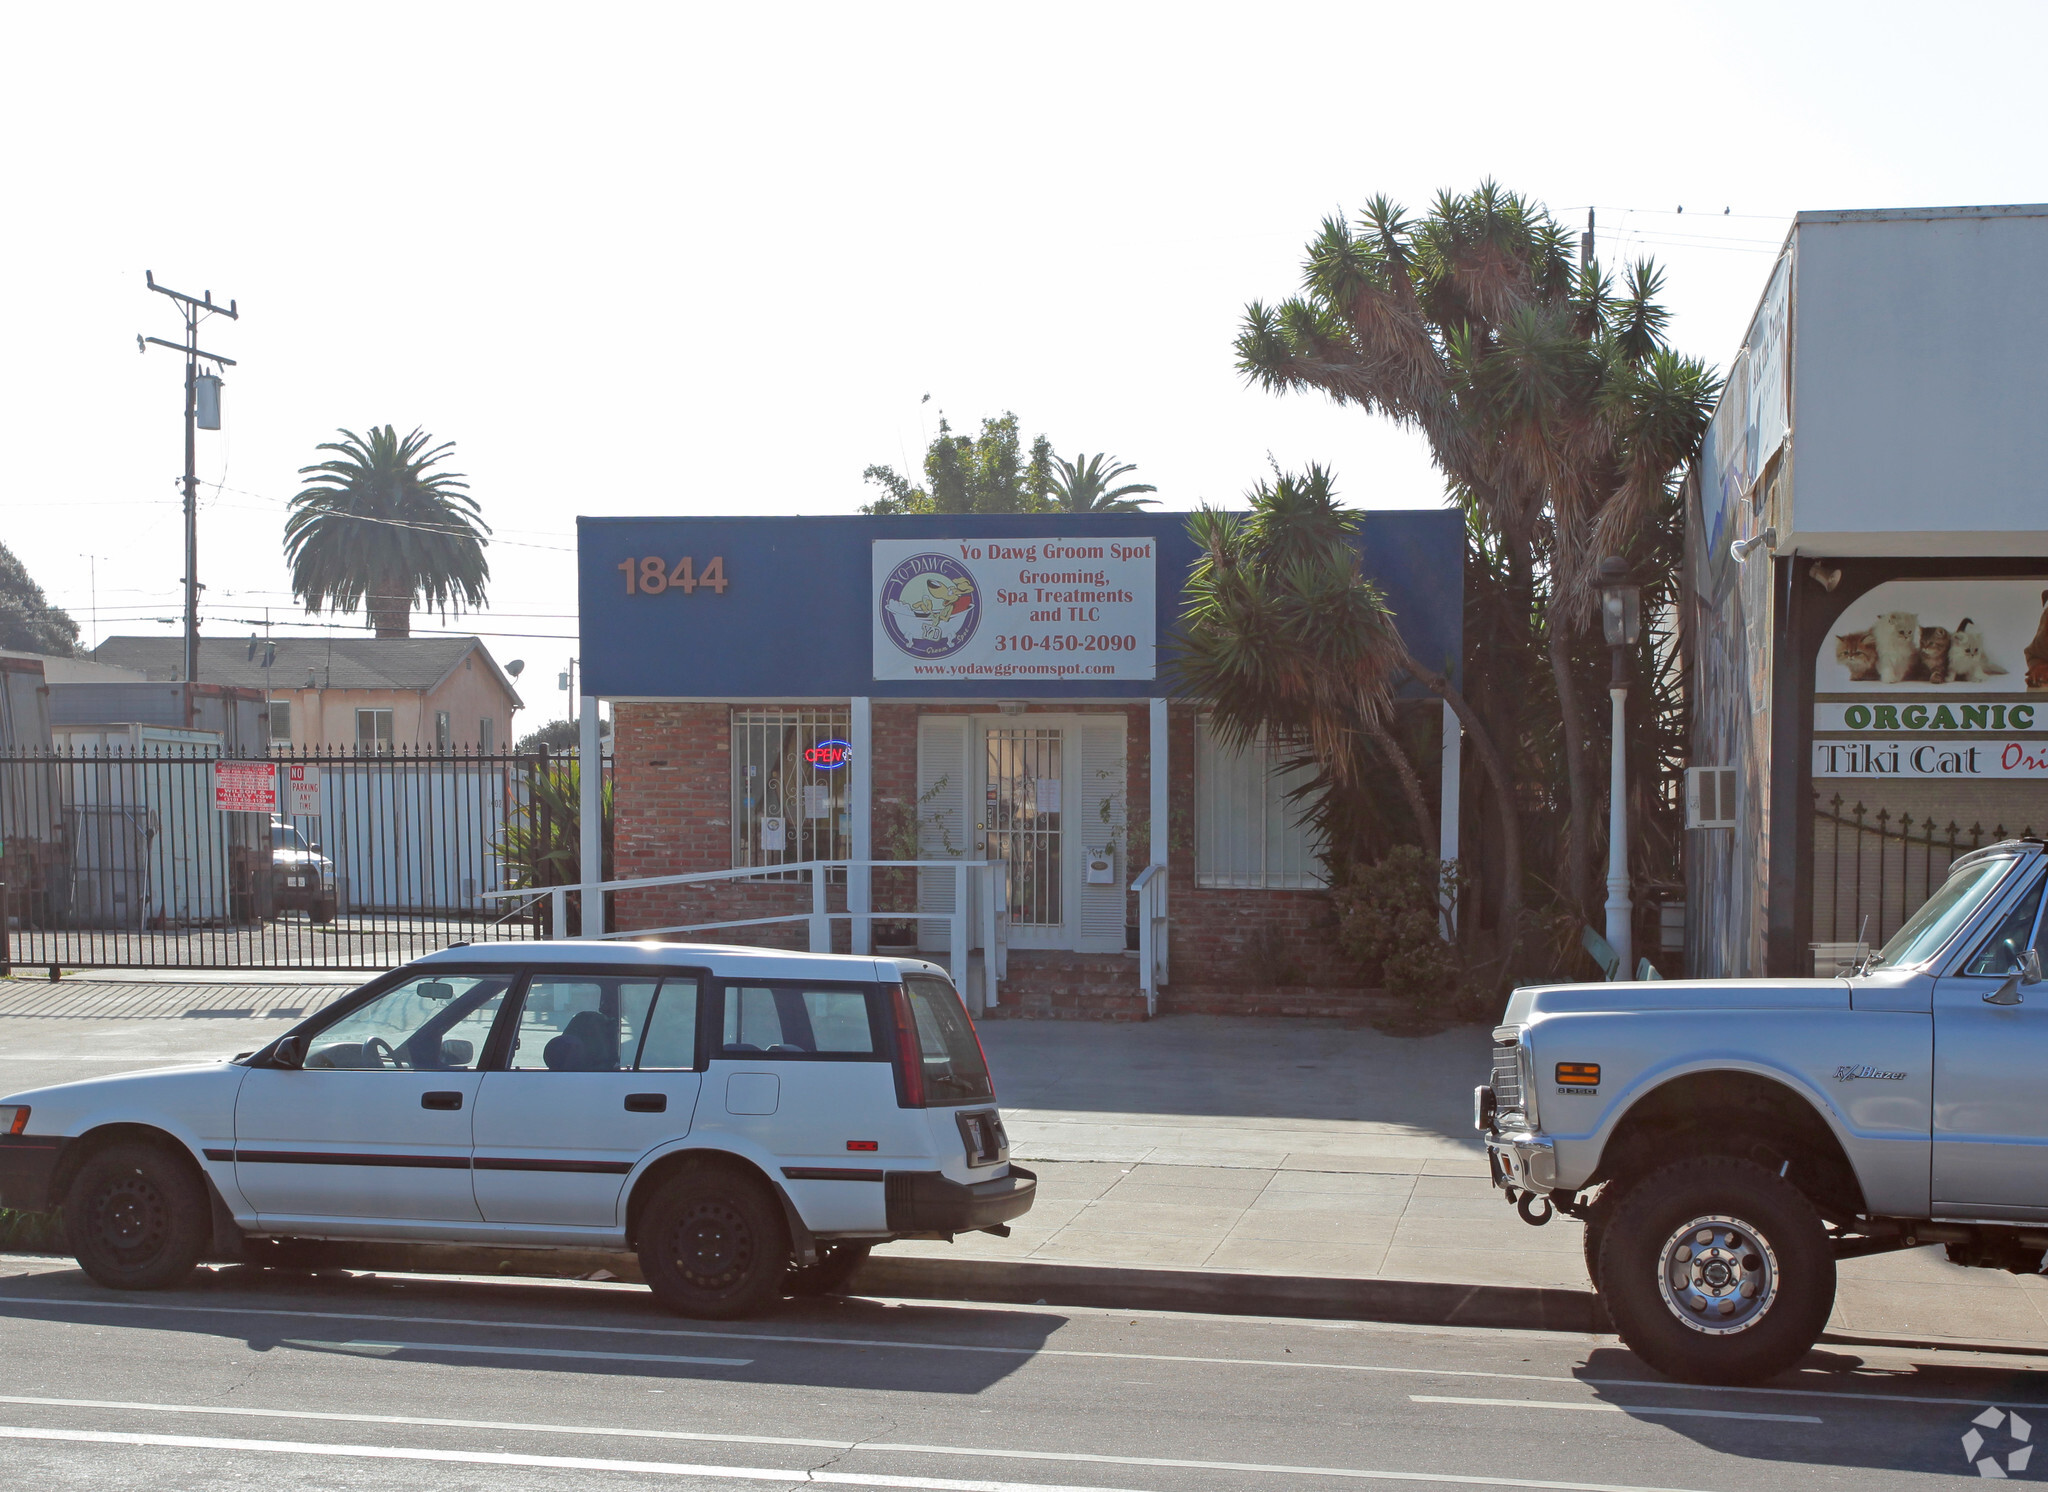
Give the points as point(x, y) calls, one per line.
point(826, 756)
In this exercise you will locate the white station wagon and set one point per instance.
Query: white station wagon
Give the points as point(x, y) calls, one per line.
point(751, 1122)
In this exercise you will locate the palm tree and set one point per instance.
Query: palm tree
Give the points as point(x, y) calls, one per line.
point(1551, 402)
point(1282, 635)
point(377, 528)
point(1086, 487)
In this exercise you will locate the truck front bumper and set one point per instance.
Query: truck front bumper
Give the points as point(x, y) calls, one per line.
point(1526, 1162)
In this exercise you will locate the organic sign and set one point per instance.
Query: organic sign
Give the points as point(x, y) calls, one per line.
point(1936, 678)
point(1014, 608)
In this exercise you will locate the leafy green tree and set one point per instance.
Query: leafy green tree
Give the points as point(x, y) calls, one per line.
point(1088, 486)
point(986, 473)
point(28, 621)
point(1550, 400)
point(556, 736)
point(542, 842)
point(378, 527)
point(1283, 636)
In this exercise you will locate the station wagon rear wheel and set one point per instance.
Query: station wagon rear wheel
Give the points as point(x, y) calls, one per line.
point(1717, 1270)
point(713, 1244)
point(137, 1218)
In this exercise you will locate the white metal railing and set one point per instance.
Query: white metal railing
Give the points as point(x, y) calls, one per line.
point(987, 877)
point(1151, 888)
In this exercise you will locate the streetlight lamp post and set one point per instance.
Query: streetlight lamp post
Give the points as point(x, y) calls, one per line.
point(1621, 621)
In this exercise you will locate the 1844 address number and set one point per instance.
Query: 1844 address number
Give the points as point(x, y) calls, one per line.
point(651, 575)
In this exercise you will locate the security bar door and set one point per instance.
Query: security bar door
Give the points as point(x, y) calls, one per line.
point(1023, 801)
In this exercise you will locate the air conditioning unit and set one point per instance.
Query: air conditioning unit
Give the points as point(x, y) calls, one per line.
point(1710, 797)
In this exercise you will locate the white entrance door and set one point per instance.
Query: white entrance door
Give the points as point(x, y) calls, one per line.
point(1044, 793)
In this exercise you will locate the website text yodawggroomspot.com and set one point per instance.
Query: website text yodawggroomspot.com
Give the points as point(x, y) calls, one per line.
point(1013, 670)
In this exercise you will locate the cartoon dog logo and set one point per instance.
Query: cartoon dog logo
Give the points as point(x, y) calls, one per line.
point(929, 606)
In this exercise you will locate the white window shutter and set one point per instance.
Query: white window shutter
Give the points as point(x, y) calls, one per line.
point(1098, 823)
point(941, 807)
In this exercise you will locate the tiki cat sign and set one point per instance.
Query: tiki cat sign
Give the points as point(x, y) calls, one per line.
point(1936, 678)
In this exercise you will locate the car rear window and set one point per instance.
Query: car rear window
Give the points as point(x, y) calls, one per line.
point(954, 1070)
point(784, 1020)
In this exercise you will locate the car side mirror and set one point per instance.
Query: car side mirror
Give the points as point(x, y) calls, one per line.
point(2030, 967)
point(290, 1052)
point(457, 1053)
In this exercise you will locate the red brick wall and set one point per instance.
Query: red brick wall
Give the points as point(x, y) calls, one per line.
point(1223, 936)
point(673, 804)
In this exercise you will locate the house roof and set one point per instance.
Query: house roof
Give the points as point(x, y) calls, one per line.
point(415, 664)
point(58, 670)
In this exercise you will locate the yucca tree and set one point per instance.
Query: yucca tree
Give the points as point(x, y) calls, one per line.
point(378, 527)
point(1551, 403)
point(1089, 486)
point(1281, 634)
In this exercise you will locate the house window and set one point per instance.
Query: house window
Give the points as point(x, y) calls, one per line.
point(786, 808)
point(373, 730)
point(280, 722)
point(443, 731)
point(487, 734)
point(1247, 833)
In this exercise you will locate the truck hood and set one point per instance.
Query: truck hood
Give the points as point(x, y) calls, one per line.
point(1661, 995)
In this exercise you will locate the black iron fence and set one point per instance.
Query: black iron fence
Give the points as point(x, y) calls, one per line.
point(128, 858)
point(1873, 868)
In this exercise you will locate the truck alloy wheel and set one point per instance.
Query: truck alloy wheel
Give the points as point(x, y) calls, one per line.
point(1716, 1270)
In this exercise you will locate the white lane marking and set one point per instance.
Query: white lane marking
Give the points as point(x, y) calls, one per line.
point(506, 1458)
point(198, 1309)
point(766, 1474)
point(468, 1347)
point(1662, 1413)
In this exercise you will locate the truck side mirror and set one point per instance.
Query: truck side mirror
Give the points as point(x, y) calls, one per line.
point(2030, 967)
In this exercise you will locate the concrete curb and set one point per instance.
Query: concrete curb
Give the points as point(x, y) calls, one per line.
point(1029, 1282)
point(1119, 1287)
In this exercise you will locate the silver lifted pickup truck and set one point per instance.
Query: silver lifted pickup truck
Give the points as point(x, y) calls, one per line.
point(1726, 1141)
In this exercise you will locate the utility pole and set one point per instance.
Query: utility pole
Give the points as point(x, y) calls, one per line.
point(202, 398)
point(1586, 242)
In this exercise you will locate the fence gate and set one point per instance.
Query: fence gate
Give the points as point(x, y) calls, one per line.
point(1872, 869)
point(121, 859)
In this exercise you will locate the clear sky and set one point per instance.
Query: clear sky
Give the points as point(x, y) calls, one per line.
point(705, 259)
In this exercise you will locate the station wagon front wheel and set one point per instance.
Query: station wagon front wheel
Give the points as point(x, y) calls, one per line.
point(137, 1218)
point(713, 1244)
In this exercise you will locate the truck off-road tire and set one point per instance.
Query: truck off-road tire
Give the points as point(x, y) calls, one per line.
point(835, 1266)
point(1599, 1213)
point(322, 911)
point(137, 1217)
point(713, 1244)
point(1716, 1270)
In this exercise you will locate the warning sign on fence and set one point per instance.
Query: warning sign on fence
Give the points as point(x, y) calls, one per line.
point(302, 791)
point(245, 787)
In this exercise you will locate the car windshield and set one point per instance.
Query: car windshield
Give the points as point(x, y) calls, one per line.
point(286, 837)
point(1928, 929)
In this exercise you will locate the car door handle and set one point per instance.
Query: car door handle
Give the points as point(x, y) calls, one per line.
point(647, 1103)
point(440, 1100)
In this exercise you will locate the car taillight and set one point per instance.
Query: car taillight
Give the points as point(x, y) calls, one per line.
point(909, 1056)
point(15, 1118)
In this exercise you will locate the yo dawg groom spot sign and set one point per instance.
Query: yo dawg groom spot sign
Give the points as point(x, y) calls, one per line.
point(1015, 608)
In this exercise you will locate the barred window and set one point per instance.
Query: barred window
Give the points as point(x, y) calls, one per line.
point(787, 806)
point(1247, 833)
point(280, 722)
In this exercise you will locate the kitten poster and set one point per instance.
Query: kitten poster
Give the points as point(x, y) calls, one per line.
point(1940, 636)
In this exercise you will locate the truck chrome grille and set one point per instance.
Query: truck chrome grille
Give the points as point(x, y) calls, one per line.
point(1507, 1078)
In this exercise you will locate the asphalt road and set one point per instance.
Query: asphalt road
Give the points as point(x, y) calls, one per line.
point(354, 1381)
